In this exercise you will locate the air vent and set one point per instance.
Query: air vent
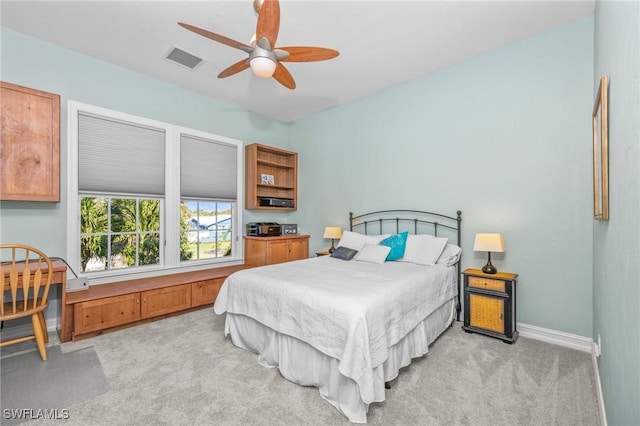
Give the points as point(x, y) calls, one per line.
point(182, 58)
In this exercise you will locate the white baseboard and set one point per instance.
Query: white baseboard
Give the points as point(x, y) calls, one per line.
point(568, 340)
point(573, 341)
point(594, 358)
point(9, 333)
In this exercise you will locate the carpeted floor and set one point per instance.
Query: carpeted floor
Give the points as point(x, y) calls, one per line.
point(29, 385)
point(182, 371)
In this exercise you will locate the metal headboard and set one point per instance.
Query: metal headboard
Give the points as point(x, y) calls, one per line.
point(386, 221)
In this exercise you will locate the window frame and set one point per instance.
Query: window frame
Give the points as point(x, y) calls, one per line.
point(170, 204)
point(110, 234)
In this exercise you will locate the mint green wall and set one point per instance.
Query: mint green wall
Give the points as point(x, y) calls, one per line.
point(616, 251)
point(504, 137)
point(34, 63)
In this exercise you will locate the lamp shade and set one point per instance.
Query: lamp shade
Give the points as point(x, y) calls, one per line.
point(489, 242)
point(262, 67)
point(332, 232)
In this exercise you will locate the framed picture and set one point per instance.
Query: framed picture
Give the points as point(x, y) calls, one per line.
point(601, 152)
point(267, 179)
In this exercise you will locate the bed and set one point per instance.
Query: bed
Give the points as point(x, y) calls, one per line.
point(344, 326)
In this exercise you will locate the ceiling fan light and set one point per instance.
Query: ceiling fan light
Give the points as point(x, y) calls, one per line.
point(262, 67)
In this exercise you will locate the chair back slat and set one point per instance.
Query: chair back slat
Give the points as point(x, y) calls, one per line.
point(37, 281)
point(26, 280)
point(13, 277)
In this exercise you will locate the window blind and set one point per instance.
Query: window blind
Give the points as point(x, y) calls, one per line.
point(208, 169)
point(120, 157)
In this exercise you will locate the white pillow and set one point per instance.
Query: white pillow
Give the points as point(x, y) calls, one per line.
point(354, 240)
point(450, 255)
point(374, 253)
point(423, 249)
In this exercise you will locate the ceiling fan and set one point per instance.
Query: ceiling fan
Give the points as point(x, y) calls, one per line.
point(264, 58)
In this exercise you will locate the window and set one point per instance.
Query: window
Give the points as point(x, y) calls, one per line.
point(207, 229)
point(208, 186)
point(148, 196)
point(124, 230)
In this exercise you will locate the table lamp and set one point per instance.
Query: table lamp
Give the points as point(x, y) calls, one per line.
point(489, 243)
point(332, 232)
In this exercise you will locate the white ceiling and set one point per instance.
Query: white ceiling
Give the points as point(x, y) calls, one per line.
point(381, 43)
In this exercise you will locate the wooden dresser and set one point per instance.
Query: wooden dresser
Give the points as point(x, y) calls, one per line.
point(260, 251)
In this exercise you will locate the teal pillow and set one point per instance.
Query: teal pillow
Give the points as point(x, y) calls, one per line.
point(397, 242)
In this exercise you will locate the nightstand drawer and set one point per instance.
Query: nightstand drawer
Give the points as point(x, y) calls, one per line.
point(487, 283)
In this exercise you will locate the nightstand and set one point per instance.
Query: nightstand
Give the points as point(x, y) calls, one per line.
point(490, 304)
point(322, 253)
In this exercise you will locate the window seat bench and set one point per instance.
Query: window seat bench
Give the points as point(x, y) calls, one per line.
point(109, 307)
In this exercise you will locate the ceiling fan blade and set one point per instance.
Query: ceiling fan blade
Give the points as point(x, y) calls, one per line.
point(283, 76)
point(269, 21)
point(234, 69)
point(217, 37)
point(308, 54)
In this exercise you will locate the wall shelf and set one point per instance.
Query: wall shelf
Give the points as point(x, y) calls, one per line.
point(281, 168)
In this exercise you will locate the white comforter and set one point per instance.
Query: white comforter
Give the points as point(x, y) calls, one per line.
point(352, 311)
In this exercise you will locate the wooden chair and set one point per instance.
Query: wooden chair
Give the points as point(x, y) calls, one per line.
point(26, 273)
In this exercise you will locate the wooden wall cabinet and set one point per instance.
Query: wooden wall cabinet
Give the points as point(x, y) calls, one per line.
point(267, 160)
point(260, 251)
point(29, 144)
point(490, 304)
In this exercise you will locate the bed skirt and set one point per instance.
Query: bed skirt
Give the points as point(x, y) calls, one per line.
point(301, 363)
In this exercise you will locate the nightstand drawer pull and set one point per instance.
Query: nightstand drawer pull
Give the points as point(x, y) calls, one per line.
point(487, 283)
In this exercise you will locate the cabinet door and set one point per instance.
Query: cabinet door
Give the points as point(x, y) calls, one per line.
point(255, 252)
point(108, 312)
point(299, 249)
point(487, 312)
point(29, 144)
point(205, 292)
point(165, 300)
point(278, 251)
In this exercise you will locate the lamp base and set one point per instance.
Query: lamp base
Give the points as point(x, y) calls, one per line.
point(489, 269)
point(332, 249)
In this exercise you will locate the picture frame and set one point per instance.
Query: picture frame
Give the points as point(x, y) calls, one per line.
point(267, 179)
point(600, 121)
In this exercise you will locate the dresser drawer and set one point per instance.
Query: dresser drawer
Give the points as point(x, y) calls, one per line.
point(487, 283)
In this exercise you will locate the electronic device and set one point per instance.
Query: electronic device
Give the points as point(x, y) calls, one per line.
point(77, 284)
point(276, 202)
point(263, 229)
point(288, 228)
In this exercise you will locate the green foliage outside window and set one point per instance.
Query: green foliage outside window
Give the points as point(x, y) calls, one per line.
point(119, 232)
